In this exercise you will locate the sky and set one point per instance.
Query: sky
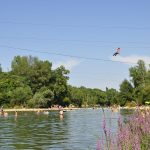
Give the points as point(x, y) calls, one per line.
point(82, 35)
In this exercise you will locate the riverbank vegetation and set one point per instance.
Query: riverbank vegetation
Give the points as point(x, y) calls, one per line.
point(33, 83)
point(132, 135)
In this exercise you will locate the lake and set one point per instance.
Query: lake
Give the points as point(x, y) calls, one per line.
point(77, 130)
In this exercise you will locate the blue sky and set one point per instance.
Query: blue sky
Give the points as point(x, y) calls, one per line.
point(86, 28)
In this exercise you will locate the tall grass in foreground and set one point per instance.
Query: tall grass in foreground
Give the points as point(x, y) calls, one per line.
point(134, 135)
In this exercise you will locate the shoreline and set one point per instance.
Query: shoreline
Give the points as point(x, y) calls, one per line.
point(67, 108)
point(140, 107)
point(36, 109)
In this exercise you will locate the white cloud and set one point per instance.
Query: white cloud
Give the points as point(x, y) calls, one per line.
point(131, 60)
point(69, 64)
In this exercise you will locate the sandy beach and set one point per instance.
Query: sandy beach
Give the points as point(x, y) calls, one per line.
point(140, 107)
point(36, 109)
point(66, 108)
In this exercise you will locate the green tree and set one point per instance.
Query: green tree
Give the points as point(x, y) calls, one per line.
point(111, 96)
point(66, 101)
point(76, 96)
point(13, 90)
point(138, 74)
point(60, 86)
point(37, 72)
point(42, 98)
point(83, 96)
point(126, 92)
point(146, 94)
point(20, 96)
point(139, 78)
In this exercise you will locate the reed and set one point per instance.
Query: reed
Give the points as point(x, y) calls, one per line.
point(134, 135)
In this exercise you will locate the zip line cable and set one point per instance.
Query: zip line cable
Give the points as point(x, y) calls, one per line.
point(92, 77)
point(66, 55)
point(72, 56)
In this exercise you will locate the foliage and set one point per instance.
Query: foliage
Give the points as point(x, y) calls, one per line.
point(31, 78)
point(37, 72)
point(138, 89)
point(66, 101)
point(20, 96)
point(134, 135)
point(126, 92)
point(13, 90)
point(86, 97)
point(138, 74)
point(60, 86)
point(41, 99)
point(32, 82)
point(111, 97)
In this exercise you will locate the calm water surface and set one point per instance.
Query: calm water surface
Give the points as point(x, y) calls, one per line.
point(77, 130)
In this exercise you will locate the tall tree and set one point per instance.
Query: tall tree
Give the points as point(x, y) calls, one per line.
point(37, 72)
point(60, 87)
point(111, 96)
point(14, 90)
point(126, 92)
point(138, 74)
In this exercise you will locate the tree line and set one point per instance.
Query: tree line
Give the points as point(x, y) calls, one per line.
point(33, 83)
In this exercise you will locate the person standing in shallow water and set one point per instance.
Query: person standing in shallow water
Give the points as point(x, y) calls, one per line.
point(61, 112)
point(16, 114)
point(1, 110)
point(5, 114)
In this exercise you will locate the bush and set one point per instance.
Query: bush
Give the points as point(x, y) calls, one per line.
point(131, 104)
